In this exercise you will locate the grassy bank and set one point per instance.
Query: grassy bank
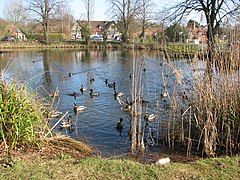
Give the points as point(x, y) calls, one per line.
point(95, 168)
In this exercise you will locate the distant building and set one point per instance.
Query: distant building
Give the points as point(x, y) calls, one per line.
point(76, 31)
point(16, 33)
point(97, 27)
point(197, 34)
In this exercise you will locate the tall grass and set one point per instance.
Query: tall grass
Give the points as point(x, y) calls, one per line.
point(211, 121)
point(22, 121)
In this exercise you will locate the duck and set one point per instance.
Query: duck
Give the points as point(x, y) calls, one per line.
point(55, 94)
point(120, 101)
point(67, 123)
point(164, 94)
point(92, 93)
point(106, 81)
point(130, 76)
point(78, 108)
point(118, 94)
point(149, 117)
point(112, 85)
point(69, 74)
point(184, 95)
point(91, 80)
point(119, 125)
point(55, 114)
point(83, 89)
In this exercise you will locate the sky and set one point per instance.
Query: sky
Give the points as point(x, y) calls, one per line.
point(100, 8)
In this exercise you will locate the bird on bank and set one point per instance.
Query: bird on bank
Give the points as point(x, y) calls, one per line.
point(92, 93)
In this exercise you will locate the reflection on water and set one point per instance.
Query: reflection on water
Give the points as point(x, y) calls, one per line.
point(70, 69)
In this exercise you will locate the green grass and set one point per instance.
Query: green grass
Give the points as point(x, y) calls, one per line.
point(96, 168)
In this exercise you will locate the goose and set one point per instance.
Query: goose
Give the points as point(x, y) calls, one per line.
point(69, 74)
point(149, 117)
point(118, 94)
point(92, 93)
point(83, 89)
point(67, 123)
point(78, 108)
point(119, 125)
point(112, 85)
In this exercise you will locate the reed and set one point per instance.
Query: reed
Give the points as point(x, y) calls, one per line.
point(209, 120)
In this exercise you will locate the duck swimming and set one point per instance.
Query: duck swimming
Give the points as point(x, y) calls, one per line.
point(164, 94)
point(106, 81)
point(118, 94)
point(119, 125)
point(112, 85)
point(92, 93)
point(91, 80)
point(83, 89)
point(55, 114)
point(67, 123)
point(149, 117)
point(78, 108)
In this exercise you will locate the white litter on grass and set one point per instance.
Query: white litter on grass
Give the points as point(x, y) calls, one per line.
point(163, 160)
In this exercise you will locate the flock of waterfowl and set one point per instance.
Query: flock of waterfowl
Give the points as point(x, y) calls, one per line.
point(126, 105)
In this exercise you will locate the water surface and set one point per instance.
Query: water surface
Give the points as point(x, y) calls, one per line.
point(67, 70)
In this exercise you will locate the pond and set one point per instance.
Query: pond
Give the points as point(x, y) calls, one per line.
point(67, 70)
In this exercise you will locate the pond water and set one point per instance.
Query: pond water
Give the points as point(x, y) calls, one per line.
point(67, 70)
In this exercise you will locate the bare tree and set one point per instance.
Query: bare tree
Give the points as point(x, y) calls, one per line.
point(146, 15)
point(214, 10)
point(124, 11)
point(89, 9)
point(64, 13)
point(13, 11)
point(43, 10)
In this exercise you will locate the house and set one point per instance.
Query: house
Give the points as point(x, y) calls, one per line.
point(76, 31)
point(16, 33)
point(99, 28)
point(197, 35)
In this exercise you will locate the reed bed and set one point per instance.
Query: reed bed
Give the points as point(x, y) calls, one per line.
point(204, 115)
